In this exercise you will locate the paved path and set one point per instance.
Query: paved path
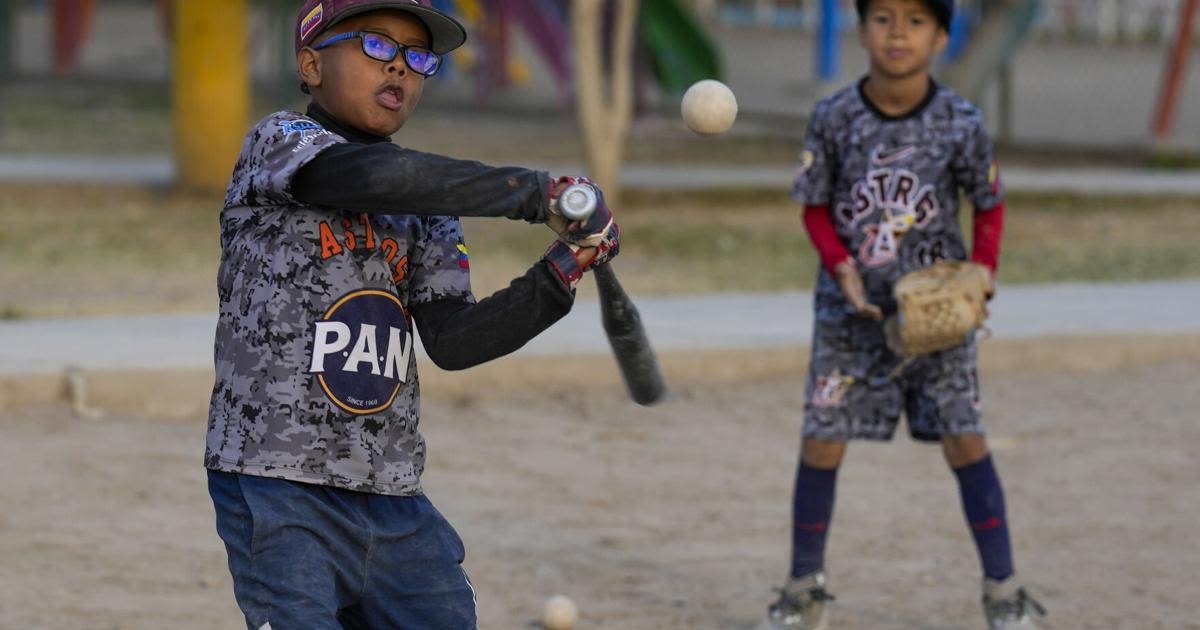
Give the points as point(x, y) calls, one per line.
point(159, 170)
point(86, 169)
point(724, 321)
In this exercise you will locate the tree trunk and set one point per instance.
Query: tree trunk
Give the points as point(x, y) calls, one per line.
point(604, 97)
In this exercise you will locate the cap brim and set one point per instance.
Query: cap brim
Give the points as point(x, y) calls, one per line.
point(447, 32)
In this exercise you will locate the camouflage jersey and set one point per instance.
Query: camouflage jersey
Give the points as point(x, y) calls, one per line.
point(892, 184)
point(316, 379)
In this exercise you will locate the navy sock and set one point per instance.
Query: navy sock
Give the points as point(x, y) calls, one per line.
point(812, 506)
point(983, 504)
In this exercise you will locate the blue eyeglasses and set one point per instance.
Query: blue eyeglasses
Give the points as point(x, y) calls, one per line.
point(377, 46)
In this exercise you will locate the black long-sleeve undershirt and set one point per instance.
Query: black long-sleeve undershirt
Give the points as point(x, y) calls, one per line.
point(371, 174)
point(388, 179)
point(458, 335)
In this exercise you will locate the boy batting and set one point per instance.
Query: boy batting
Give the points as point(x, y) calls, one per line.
point(883, 163)
point(336, 244)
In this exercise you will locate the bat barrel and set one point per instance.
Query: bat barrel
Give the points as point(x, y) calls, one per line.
point(631, 347)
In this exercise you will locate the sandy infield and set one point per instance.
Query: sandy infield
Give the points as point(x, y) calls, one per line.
point(671, 517)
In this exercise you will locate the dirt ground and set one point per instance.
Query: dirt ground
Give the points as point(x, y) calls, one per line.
point(670, 517)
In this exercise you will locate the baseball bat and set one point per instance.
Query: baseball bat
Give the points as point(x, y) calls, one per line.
point(620, 318)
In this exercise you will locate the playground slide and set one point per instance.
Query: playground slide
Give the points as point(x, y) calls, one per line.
point(992, 45)
point(679, 48)
point(546, 25)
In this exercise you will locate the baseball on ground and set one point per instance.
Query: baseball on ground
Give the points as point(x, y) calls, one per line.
point(709, 107)
point(559, 613)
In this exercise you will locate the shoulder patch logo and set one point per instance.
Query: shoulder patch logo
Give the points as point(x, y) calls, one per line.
point(302, 127)
point(308, 130)
point(361, 351)
point(806, 161)
point(464, 260)
point(312, 20)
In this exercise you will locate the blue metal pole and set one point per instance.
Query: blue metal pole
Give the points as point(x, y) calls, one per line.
point(447, 69)
point(828, 43)
point(960, 29)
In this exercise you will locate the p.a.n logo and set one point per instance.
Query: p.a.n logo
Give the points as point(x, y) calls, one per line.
point(361, 350)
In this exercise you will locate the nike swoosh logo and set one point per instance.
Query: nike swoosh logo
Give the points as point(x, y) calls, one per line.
point(882, 157)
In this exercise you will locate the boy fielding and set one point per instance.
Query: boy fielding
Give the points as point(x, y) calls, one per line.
point(335, 244)
point(880, 174)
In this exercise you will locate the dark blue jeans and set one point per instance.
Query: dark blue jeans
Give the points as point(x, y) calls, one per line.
point(314, 557)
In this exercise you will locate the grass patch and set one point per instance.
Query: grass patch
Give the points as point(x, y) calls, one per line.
point(95, 249)
point(1174, 160)
point(76, 250)
point(10, 312)
point(1100, 240)
point(78, 117)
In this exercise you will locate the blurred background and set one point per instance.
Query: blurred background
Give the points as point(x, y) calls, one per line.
point(1047, 63)
point(119, 124)
point(96, 92)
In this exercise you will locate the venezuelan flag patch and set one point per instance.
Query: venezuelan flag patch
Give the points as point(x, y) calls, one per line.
point(312, 20)
point(464, 260)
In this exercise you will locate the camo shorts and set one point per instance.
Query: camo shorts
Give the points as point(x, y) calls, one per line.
point(849, 395)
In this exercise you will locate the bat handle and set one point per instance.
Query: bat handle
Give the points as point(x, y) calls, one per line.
point(577, 202)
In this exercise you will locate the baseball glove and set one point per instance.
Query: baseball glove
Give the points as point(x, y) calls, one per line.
point(938, 307)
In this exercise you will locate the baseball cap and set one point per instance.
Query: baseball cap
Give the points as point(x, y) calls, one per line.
point(316, 16)
point(943, 10)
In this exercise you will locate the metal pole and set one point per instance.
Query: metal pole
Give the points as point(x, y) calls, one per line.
point(1004, 87)
point(1174, 71)
point(828, 43)
point(6, 40)
point(72, 22)
point(288, 83)
point(210, 90)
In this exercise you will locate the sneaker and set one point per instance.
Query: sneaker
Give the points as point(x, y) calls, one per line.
point(801, 605)
point(1008, 606)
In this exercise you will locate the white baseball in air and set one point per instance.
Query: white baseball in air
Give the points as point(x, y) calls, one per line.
point(709, 107)
point(559, 613)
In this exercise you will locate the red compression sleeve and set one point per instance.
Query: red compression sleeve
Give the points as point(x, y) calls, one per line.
point(988, 228)
point(819, 223)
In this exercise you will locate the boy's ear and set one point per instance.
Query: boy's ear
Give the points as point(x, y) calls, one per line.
point(941, 40)
point(308, 65)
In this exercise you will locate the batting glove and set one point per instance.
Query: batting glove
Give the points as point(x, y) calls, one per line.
point(570, 261)
point(608, 248)
point(591, 231)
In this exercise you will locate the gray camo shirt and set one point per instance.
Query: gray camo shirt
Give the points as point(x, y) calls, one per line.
point(893, 184)
point(316, 380)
